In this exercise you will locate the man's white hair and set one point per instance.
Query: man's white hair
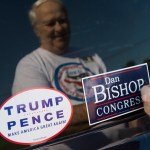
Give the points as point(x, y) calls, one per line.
point(32, 14)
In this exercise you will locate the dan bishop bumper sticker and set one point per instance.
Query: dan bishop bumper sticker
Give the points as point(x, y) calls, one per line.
point(114, 93)
point(35, 116)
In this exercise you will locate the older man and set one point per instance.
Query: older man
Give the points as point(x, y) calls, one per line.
point(46, 66)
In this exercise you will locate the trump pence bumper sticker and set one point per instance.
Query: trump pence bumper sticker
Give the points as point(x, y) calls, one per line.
point(115, 93)
point(35, 116)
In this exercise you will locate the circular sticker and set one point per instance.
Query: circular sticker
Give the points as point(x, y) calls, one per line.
point(35, 116)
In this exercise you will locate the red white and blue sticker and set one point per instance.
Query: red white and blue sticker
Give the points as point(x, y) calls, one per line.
point(68, 79)
point(35, 116)
point(116, 93)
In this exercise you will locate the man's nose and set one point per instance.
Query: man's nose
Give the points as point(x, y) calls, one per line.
point(58, 26)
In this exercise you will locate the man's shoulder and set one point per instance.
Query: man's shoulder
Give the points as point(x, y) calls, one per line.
point(29, 58)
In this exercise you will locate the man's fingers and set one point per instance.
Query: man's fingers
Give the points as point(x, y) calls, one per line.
point(145, 92)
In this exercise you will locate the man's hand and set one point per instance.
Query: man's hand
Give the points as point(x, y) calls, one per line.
point(145, 92)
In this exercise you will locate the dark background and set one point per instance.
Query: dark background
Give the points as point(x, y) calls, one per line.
point(118, 30)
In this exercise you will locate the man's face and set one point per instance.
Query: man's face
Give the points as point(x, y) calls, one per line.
point(52, 27)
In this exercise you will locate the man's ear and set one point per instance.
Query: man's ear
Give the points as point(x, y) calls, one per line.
point(36, 31)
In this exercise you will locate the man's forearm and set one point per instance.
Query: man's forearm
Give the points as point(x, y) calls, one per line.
point(79, 114)
point(79, 120)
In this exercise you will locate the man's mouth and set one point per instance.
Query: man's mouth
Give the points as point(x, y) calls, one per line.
point(61, 36)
